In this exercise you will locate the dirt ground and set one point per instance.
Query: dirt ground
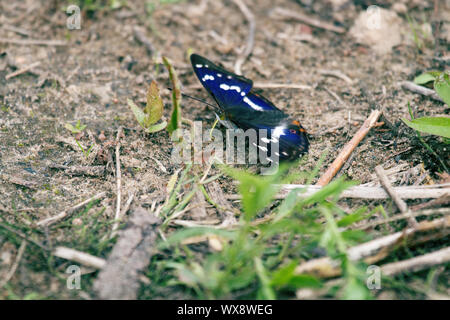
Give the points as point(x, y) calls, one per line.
point(102, 65)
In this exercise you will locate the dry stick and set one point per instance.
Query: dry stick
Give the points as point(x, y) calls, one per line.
point(80, 257)
point(23, 70)
point(411, 86)
point(122, 214)
point(398, 201)
point(418, 263)
point(348, 148)
point(429, 212)
point(337, 74)
point(118, 181)
point(13, 269)
point(250, 38)
point(308, 20)
point(274, 85)
point(66, 213)
point(375, 250)
point(441, 201)
point(363, 192)
point(36, 42)
point(22, 235)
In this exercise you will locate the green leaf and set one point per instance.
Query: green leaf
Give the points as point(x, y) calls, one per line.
point(155, 106)
point(138, 113)
point(435, 125)
point(157, 127)
point(424, 78)
point(257, 192)
point(442, 87)
point(175, 119)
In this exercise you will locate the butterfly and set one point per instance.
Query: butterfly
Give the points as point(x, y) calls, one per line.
point(247, 109)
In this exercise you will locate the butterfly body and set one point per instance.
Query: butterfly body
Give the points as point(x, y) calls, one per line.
point(249, 110)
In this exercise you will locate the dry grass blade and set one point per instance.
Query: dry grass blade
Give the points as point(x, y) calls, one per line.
point(68, 212)
point(83, 258)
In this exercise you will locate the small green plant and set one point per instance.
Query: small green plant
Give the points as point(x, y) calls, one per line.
point(152, 113)
point(175, 119)
point(420, 35)
point(439, 126)
point(85, 152)
point(75, 129)
point(259, 259)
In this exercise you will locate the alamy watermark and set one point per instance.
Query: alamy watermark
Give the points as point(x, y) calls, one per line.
point(373, 281)
point(240, 147)
point(74, 279)
point(73, 22)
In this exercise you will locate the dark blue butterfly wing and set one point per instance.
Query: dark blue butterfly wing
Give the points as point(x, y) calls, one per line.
point(289, 135)
point(249, 110)
point(228, 89)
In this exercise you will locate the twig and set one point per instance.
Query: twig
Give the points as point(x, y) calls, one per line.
point(118, 180)
point(398, 201)
point(66, 213)
point(336, 74)
point(429, 212)
point(417, 263)
point(22, 70)
point(348, 148)
point(443, 200)
point(21, 235)
point(93, 171)
point(274, 85)
point(10, 274)
point(411, 86)
point(250, 38)
point(81, 257)
point(289, 14)
point(334, 95)
point(363, 192)
point(20, 31)
point(37, 42)
point(375, 250)
point(122, 214)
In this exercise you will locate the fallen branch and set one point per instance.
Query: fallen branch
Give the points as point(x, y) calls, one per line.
point(22, 70)
point(363, 192)
point(83, 258)
point(68, 212)
point(119, 278)
point(348, 148)
point(417, 263)
point(250, 38)
point(411, 86)
point(376, 250)
point(289, 14)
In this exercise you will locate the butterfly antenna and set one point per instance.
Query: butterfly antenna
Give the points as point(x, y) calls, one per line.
point(198, 99)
